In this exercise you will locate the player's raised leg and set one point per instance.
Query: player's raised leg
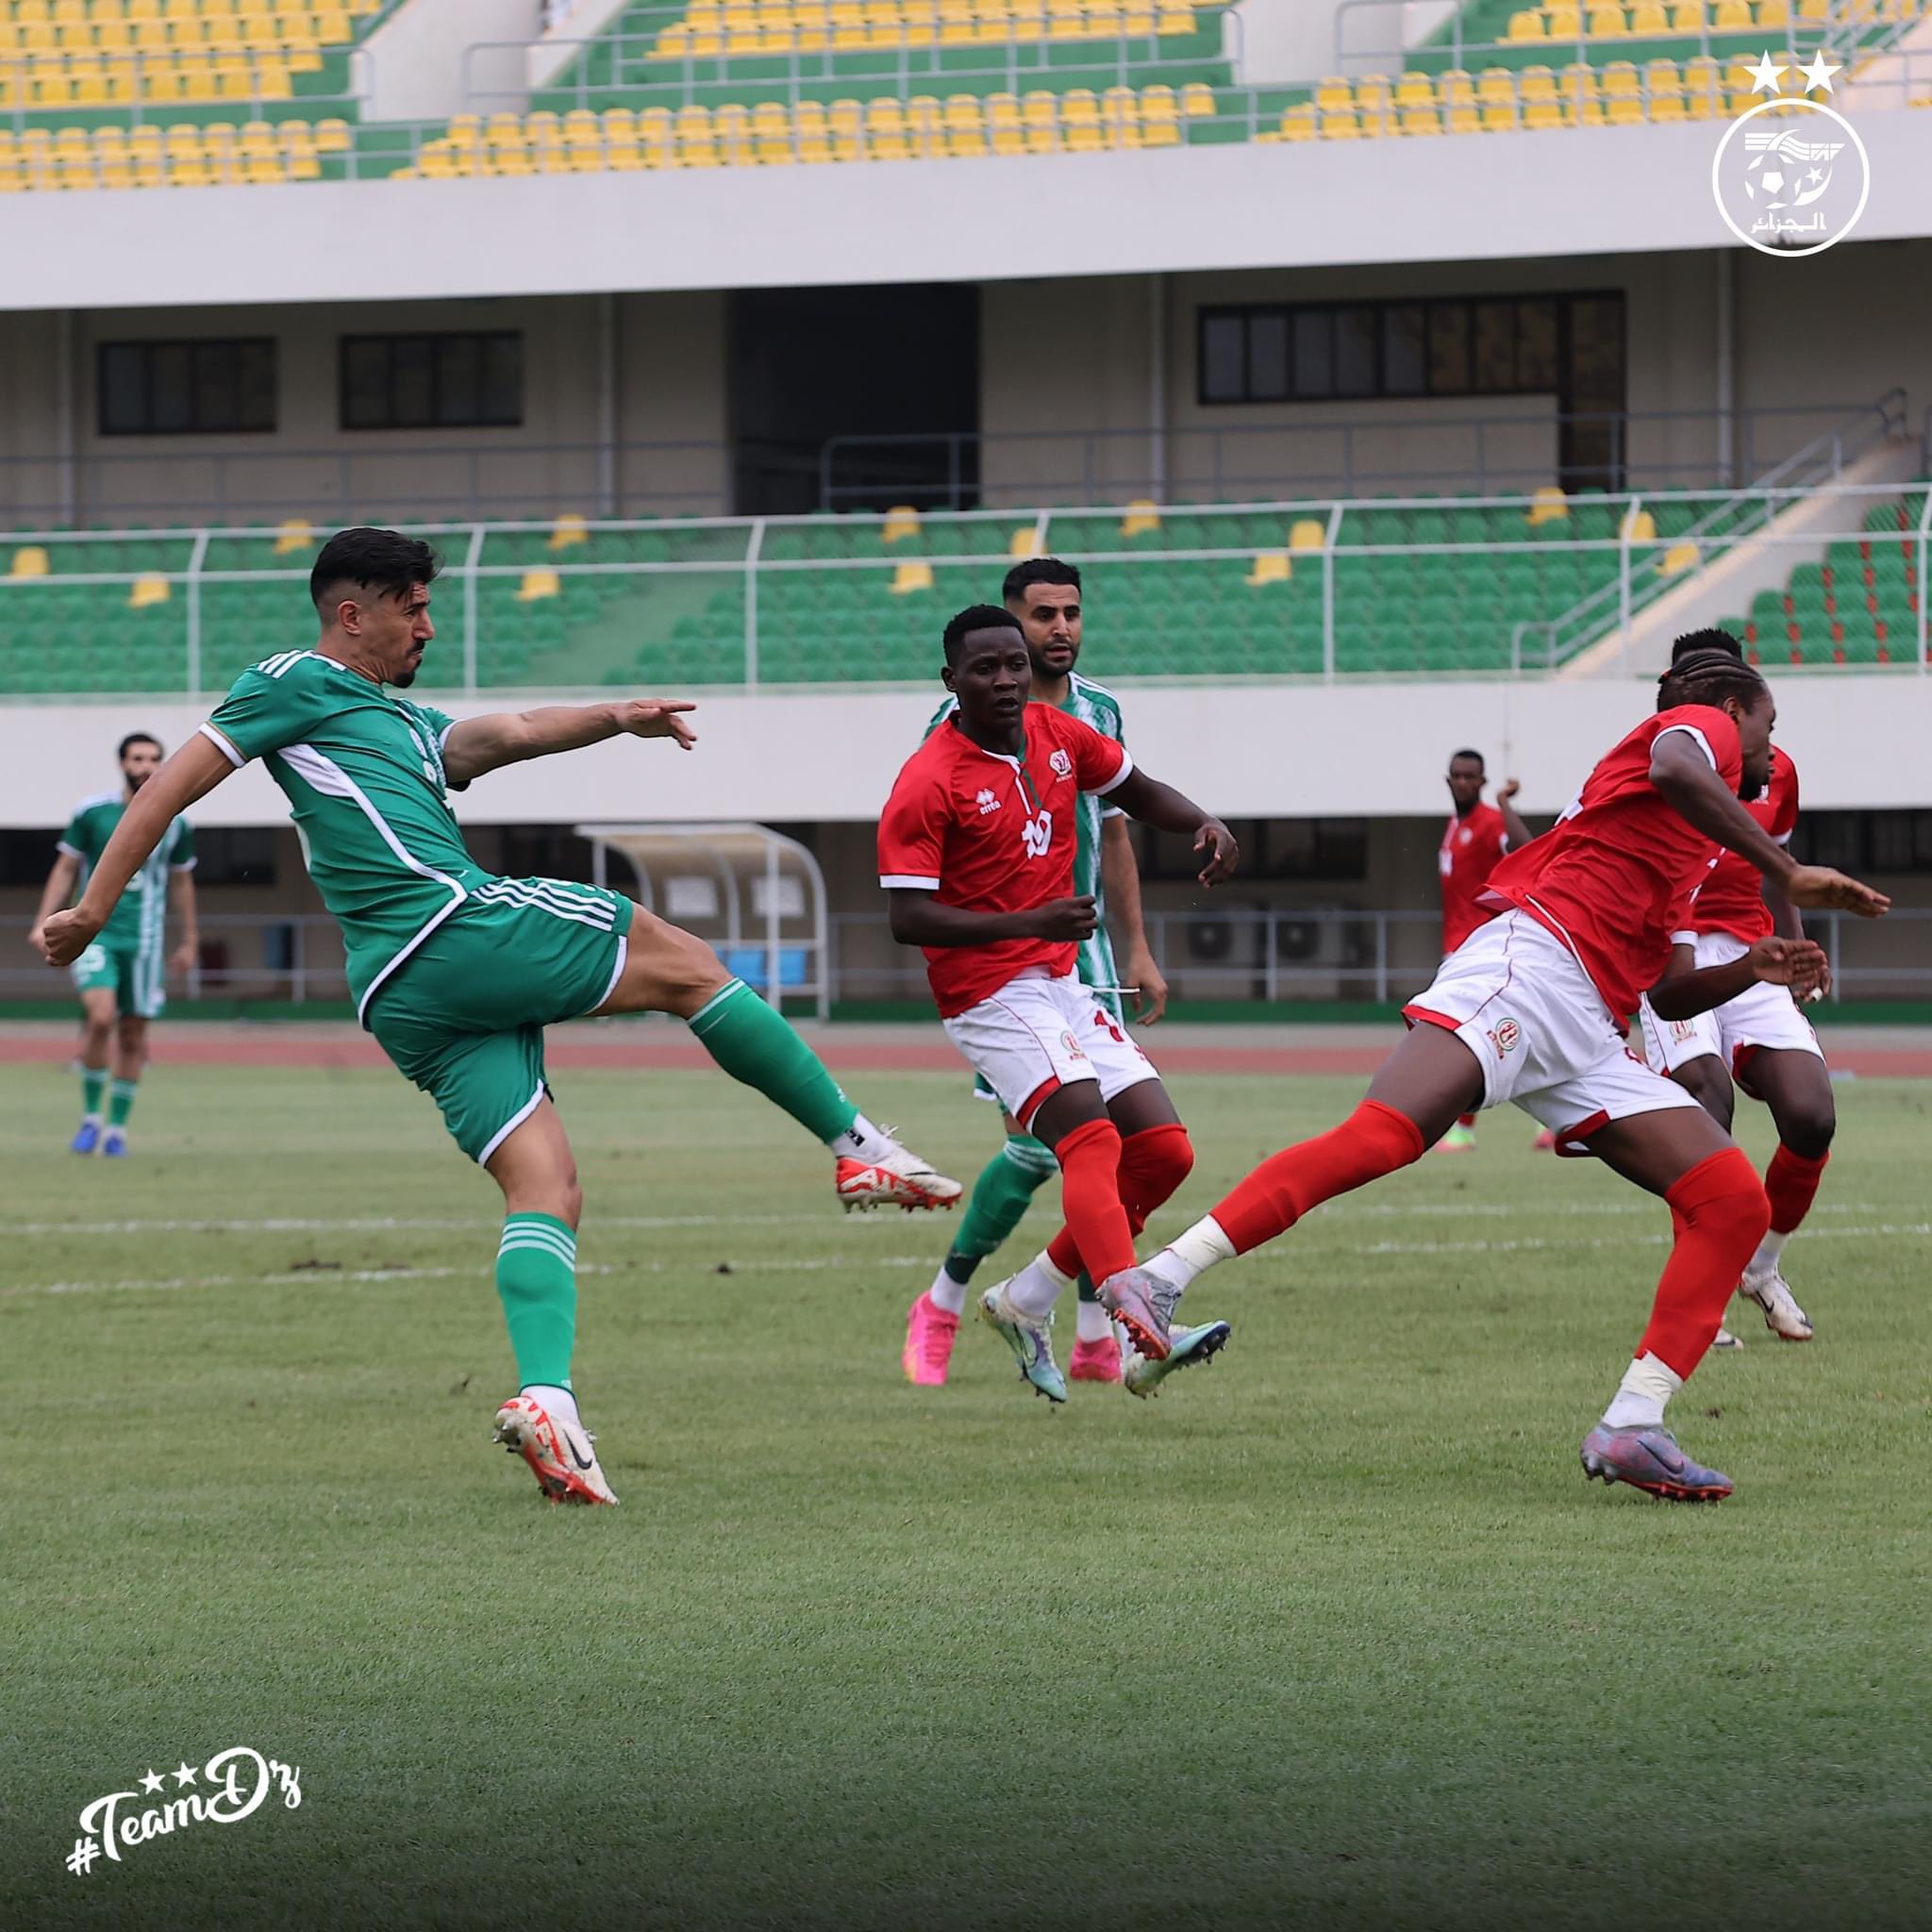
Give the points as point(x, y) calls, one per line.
point(1796, 1086)
point(536, 1277)
point(666, 970)
point(99, 1018)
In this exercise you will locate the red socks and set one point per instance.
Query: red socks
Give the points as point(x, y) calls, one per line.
point(1091, 1179)
point(1154, 1163)
point(1718, 1213)
point(1373, 1140)
point(1791, 1183)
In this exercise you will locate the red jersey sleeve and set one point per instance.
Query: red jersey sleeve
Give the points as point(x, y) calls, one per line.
point(1784, 819)
point(912, 830)
point(1715, 734)
point(1099, 764)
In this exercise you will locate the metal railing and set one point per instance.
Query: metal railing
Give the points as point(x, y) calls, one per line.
point(1282, 954)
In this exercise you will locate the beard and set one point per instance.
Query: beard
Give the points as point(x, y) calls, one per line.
point(404, 677)
point(137, 779)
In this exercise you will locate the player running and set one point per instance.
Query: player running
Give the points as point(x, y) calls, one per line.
point(457, 972)
point(120, 977)
point(1757, 1039)
point(1533, 1006)
point(1045, 595)
point(975, 854)
point(1473, 846)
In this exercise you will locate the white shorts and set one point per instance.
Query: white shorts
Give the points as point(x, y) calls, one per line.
point(1515, 995)
point(1038, 1034)
point(1760, 1016)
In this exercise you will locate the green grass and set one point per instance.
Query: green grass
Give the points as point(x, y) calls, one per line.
point(1333, 1635)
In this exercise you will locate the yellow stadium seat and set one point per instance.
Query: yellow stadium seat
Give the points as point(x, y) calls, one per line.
point(908, 577)
point(539, 584)
point(1197, 100)
point(1142, 518)
point(1456, 88)
point(1526, 25)
point(1464, 121)
point(1687, 16)
point(570, 529)
point(1650, 17)
point(1421, 121)
point(1566, 23)
point(1271, 567)
point(149, 590)
point(1335, 93)
point(1542, 114)
point(1341, 127)
point(1774, 13)
point(1299, 123)
point(1537, 84)
point(1639, 527)
point(1606, 23)
point(1619, 78)
point(1624, 113)
point(1025, 543)
point(1415, 90)
point(1548, 504)
point(1307, 534)
point(30, 561)
point(1731, 16)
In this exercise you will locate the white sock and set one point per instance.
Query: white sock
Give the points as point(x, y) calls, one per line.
point(862, 1140)
point(1192, 1253)
point(1093, 1323)
point(1038, 1285)
point(90, 1119)
point(1638, 1403)
point(560, 1403)
point(1766, 1260)
point(947, 1293)
point(1124, 1342)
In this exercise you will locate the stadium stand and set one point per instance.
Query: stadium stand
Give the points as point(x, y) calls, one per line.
point(1441, 586)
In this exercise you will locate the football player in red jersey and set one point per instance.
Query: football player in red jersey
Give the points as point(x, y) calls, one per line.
point(1473, 846)
point(1760, 1040)
point(977, 848)
point(1533, 1007)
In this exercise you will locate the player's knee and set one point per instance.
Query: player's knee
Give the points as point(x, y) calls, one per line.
point(693, 976)
point(1726, 1197)
point(1808, 1130)
point(100, 1031)
point(1157, 1159)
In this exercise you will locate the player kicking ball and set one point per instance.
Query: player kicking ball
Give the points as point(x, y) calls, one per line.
point(1533, 1007)
point(977, 848)
point(458, 971)
point(1757, 1040)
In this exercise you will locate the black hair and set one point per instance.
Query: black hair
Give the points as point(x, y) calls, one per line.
point(134, 738)
point(1475, 754)
point(1039, 570)
point(380, 561)
point(977, 617)
point(1694, 640)
point(1708, 677)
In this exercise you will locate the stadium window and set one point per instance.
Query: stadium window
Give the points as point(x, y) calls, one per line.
point(26, 857)
point(1354, 352)
point(1492, 358)
point(1405, 349)
point(235, 855)
point(1449, 348)
point(1224, 359)
point(1268, 358)
point(1535, 347)
point(186, 388)
point(471, 381)
point(1314, 354)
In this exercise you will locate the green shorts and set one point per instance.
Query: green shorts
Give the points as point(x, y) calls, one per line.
point(463, 1016)
point(136, 977)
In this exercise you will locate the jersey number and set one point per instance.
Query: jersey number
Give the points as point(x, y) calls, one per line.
point(1038, 834)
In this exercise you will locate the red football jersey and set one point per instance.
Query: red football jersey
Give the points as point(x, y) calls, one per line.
point(1470, 852)
point(1731, 899)
point(1613, 878)
point(994, 834)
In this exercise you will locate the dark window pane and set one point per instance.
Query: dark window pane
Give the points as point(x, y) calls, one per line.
point(1223, 374)
point(215, 402)
point(502, 380)
point(255, 386)
point(124, 389)
point(1314, 351)
point(1496, 348)
point(1448, 349)
point(365, 383)
point(1404, 335)
point(1268, 358)
point(1536, 347)
point(412, 382)
point(1354, 352)
point(172, 367)
point(460, 382)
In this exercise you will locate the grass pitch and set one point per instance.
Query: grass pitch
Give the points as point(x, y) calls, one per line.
point(1333, 1633)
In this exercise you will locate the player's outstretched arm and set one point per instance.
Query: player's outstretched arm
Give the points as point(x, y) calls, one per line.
point(60, 889)
point(1519, 834)
point(476, 746)
point(918, 920)
point(1687, 990)
point(1168, 810)
point(1692, 787)
point(192, 772)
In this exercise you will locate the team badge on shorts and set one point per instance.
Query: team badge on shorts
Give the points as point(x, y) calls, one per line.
point(1073, 1046)
point(1506, 1036)
point(1682, 1030)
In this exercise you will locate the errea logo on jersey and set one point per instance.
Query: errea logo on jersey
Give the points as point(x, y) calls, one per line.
point(988, 803)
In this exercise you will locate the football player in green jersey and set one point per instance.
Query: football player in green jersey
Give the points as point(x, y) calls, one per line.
point(458, 971)
point(122, 977)
point(1045, 595)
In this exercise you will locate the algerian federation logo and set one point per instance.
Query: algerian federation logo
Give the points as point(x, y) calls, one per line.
point(1797, 185)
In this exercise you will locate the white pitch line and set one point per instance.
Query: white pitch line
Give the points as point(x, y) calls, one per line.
point(1533, 1243)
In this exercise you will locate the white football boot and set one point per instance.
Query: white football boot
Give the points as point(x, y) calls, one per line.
point(1782, 1314)
point(897, 1178)
point(562, 1458)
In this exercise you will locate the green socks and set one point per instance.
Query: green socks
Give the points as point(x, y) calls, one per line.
point(93, 1083)
point(536, 1277)
point(120, 1102)
point(999, 1200)
point(754, 1044)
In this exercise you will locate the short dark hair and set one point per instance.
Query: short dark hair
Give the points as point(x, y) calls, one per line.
point(1467, 754)
point(1708, 677)
point(1039, 570)
point(977, 617)
point(134, 738)
point(381, 560)
point(1693, 640)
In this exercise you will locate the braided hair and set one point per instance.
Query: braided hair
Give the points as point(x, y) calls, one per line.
point(1712, 640)
point(1709, 677)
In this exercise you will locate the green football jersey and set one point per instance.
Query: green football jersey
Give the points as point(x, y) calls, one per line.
point(141, 914)
point(1095, 704)
point(362, 772)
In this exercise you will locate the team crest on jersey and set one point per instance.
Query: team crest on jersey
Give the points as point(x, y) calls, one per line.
point(1506, 1036)
point(1037, 835)
point(1682, 1030)
point(1060, 765)
point(988, 803)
